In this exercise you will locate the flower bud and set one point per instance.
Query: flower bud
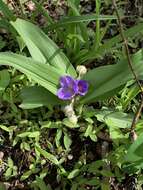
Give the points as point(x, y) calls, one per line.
point(1, 155)
point(31, 6)
point(70, 157)
point(68, 110)
point(81, 69)
point(73, 119)
point(133, 136)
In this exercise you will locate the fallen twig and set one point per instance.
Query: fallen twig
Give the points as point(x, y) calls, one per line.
point(137, 115)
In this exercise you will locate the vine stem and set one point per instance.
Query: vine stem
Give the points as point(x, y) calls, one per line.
point(138, 112)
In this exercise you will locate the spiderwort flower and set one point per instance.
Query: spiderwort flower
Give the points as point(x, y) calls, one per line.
point(82, 87)
point(71, 87)
point(68, 88)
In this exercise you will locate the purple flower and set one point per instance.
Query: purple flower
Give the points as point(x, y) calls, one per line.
point(82, 87)
point(71, 87)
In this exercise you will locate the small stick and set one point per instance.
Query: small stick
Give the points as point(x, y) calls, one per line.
point(136, 117)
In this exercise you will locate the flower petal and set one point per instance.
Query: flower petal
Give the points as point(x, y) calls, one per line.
point(82, 87)
point(65, 93)
point(66, 81)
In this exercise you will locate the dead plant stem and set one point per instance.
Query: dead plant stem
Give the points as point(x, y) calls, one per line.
point(138, 112)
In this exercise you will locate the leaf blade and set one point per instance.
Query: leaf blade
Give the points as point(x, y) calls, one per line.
point(41, 47)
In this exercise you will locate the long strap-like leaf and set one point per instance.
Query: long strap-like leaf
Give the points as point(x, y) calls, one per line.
point(105, 81)
point(41, 47)
point(47, 76)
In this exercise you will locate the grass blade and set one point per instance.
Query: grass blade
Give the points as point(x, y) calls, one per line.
point(92, 54)
point(79, 19)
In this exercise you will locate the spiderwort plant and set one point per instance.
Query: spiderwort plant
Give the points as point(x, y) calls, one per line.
point(69, 89)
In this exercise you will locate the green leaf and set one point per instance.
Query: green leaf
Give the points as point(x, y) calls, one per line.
point(105, 81)
point(2, 43)
point(129, 94)
point(69, 124)
point(41, 47)
point(4, 80)
point(21, 43)
point(119, 119)
point(10, 163)
point(2, 186)
point(26, 175)
point(8, 173)
point(73, 174)
point(34, 134)
point(115, 118)
point(41, 184)
point(25, 146)
point(67, 141)
point(105, 186)
point(93, 137)
point(58, 137)
point(37, 96)
point(107, 173)
point(47, 155)
point(117, 135)
point(93, 182)
point(135, 152)
point(7, 129)
point(94, 166)
point(88, 131)
point(47, 76)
